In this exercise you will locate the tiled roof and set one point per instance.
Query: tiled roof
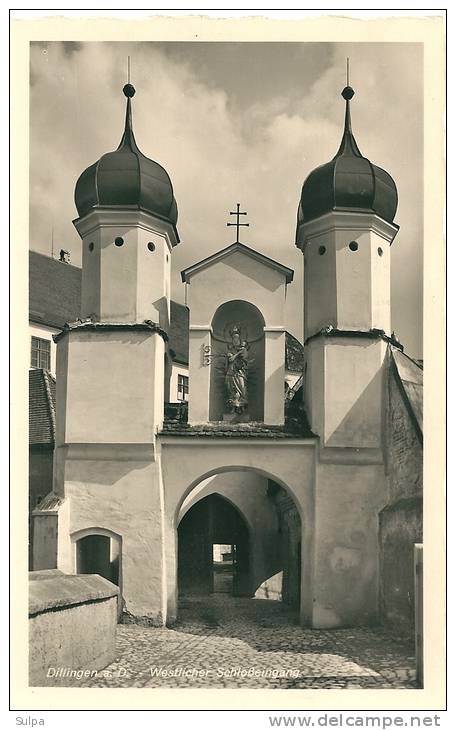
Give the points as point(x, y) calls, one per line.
point(410, 378)
point(222, 429)
point(54, 291)
point(41, 407)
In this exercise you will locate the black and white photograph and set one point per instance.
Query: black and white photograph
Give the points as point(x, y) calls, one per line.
point(225, 364)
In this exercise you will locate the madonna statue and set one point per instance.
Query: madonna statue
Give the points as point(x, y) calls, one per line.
point(236, 369)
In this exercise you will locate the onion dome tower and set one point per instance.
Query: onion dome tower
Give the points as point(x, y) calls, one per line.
point(348, 182)
point(127, 222)
point(126, 177)
point(112, 375)
point(345, 229)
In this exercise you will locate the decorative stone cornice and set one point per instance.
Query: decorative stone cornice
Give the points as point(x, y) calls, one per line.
point(372, 334)
point(201, 328)
point(89, 325)
point(340, 220)
point(128, 216)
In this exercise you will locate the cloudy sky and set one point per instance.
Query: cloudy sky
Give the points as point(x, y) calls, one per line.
point(232, 122)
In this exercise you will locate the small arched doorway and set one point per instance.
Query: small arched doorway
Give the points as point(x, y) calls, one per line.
point(214, 549)
point(99, 551)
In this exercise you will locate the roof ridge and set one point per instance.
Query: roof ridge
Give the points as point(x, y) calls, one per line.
point(243, 248)
point(50, 258)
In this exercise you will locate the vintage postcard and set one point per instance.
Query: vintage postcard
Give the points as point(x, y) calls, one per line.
point(228, 264)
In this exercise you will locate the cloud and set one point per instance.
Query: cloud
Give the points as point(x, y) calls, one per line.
point(221, 147)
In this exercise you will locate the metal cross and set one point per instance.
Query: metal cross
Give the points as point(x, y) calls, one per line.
point(237, 213)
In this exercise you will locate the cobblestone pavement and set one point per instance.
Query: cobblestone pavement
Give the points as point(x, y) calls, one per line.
point(228, 642)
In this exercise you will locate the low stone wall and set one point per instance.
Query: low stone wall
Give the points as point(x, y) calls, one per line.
point(72, 626)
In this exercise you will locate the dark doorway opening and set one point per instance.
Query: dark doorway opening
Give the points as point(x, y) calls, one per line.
point(96, 554)
point(213, 550)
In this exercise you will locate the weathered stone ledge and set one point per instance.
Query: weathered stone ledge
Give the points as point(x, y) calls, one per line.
point(54, 592)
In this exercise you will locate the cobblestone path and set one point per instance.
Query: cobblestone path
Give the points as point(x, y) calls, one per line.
point(222, 641)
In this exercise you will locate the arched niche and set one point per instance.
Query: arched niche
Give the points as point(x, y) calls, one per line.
point(248, 321)
point(98, 550)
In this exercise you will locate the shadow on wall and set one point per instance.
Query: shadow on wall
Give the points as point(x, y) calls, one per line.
point(248, 268)
point(87, 468)
point(357, 424)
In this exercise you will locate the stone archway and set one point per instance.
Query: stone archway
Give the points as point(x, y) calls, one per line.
point(289, 463)
point(272, 570)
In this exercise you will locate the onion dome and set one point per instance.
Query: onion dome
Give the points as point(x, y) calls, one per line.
point(348, 182)
point(127, 178)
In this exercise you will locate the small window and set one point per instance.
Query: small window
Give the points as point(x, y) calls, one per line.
point(151, 246)
point(182, 387)
point(119, 241)
point(353, 245)
point(380, 251)
point(41, 353)
point(322, 250)
point(91, 246)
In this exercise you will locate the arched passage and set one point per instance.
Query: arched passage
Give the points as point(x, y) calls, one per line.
point(214, 549)
point(256, 522)
point(288, 463)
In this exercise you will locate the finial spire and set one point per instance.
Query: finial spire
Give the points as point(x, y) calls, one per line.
point(348, 144)
point(129, 91)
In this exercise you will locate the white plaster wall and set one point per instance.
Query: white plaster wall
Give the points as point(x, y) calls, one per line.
point(199, 376)
point(320, 290)
point(127, 283)
point(121, 495)
point(118, 274)
point(353, 280)
point(347, 289)
point(237, 276)
point(345, 390)
point(154, 277)
point(353, 392)
point(177, 369)
point(113, 387)
point(381, 283)
point(274, 377)
point(314, 385)
point(91, 275)
point(45, 333)
point(347, 501)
